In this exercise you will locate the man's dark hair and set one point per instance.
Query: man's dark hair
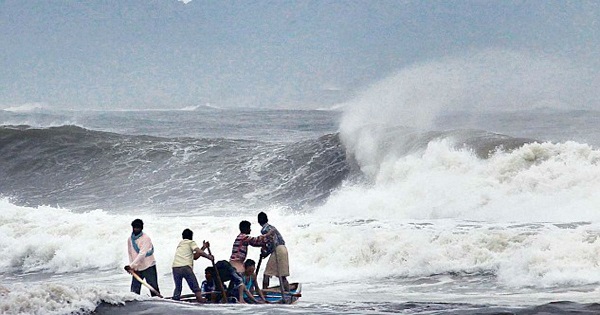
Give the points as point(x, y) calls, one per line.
point(187, 234)
point(262, 218)
point(137, 223)
point(244, 226)
point(210, 270)
point(249, 262)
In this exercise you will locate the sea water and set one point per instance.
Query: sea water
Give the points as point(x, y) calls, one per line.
point(461, 212)
point(472, 216)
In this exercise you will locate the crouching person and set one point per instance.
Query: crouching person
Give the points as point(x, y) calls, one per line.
point(236, 287)
point(183, 265)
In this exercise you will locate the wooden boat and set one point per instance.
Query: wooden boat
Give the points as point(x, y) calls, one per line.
point(272, 294)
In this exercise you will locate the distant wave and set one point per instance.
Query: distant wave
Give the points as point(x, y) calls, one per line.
point(84, 169)
point(27, 108)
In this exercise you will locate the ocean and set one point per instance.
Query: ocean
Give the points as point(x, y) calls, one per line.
point(475, 212)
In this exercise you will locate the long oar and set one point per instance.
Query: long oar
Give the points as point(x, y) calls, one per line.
point(223, 293)
point(258, 266)
point(142, 281)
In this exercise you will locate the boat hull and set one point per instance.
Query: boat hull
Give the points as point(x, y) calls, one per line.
point(272, 294)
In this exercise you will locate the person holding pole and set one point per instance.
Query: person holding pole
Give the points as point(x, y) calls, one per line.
point(239, 250)
point(278, 264)
point(142, 264)
point(183, 264)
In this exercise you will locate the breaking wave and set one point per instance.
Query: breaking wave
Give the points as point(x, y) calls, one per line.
point(84, 169)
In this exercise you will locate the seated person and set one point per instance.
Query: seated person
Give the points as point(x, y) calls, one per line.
point(250, 283)
point(208, 286)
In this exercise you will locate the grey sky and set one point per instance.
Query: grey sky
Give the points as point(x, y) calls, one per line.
point(285, 54)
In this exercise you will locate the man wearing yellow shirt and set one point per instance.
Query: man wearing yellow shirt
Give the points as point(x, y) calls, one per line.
point(183, 265)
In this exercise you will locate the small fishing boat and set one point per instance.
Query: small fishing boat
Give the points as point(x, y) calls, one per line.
point(272, 294)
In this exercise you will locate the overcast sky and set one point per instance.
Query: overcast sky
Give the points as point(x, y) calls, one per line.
point(286, 54)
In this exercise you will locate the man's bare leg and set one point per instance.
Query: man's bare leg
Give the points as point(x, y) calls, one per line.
point(241, 294)
point(286, 284)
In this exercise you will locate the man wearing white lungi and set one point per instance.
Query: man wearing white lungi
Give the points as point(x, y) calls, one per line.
point(278, 264)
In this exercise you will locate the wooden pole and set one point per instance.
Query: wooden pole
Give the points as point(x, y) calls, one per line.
point(258, 266)
point(142, 281)
point(223, 292)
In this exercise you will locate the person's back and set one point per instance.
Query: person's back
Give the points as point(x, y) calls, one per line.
point(185, 254)
point(276, 238)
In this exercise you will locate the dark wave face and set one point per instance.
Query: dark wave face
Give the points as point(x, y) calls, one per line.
point(82, 169)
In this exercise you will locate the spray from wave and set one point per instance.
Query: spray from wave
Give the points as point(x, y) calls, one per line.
point(394, 116)
point(416, 169)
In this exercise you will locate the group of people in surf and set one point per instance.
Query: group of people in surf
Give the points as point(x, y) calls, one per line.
point(239, 272)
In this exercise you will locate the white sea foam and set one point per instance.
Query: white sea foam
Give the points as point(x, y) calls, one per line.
point(190, 108)
point(46, 239)
point(539, 255)
point(55, 298)
point(56, 240)
point(445, 210)
point(537, 182)
point(27, 108)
